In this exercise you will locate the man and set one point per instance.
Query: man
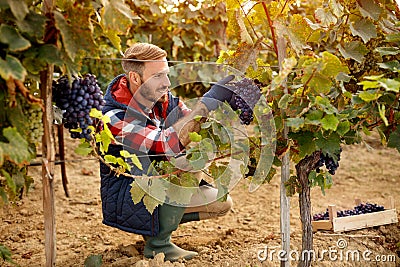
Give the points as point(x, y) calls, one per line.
point(150, 122)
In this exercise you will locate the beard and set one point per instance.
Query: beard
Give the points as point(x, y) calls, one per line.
point(154, 95)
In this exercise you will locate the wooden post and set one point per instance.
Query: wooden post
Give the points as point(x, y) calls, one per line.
point(48, 158)
point(285, 174)
point(48, 151)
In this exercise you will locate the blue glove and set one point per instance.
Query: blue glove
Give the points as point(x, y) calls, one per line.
point(218, 93)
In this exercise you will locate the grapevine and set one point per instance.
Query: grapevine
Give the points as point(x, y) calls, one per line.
point(76, 100)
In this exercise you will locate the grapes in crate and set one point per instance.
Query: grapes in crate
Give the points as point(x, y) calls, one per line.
point(247, 94)
point(76, 99)
point(362, 208)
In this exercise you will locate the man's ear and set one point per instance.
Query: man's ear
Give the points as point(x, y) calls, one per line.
point(134, 81)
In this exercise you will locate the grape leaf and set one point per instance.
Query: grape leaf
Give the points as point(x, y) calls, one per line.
point(135, 160)
point(325, 17)
point(83, 149)
point(391, 65)
point(386, 51)
point(329, 144)
point(137, 193)
point(17, 150)
point(150, 203)
point(110, 159)
point(18, 8)
point(390, 84)
point(314, 117)
point(296, 123)
point(370, 8)
point(285, 100)
point(382, 110)
point(394, 139)
point(10, 36)
point(32, 24)
point(12, 67)
point(369, 95)
point(364, 28)
point(343, 127)
point(10, 182)
point(194, 137)
point(355, 50)
point(330, 122)
point(332, 65)
point(305, 141)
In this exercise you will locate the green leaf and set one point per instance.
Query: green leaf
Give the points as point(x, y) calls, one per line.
point(369, 96)
point(33, 24)
point(391, 65)
point(17, 150)
point(137, 193)
point(330, 122)
point(10, 182)
point(382, 110)
point(110, 159)
point(369, 84)
point(332, 65)
point(285, 100)
point(388, 51)
point(135, 160)
point(326, 105)
point(150, 203)
point(355, 50)
point(93, 261)
point(370, 8)
point(83, 149)
point(394, 139)
point(329, 143)
point(11, 67)
point(295, 122)
point(364, 28)
point(50, 54)
point(5, 254)
point(343, 127)
point(306, 143)
point(10, 36)
point(314, 117)
point(321, 84)
point(194, 137)
point(390, 84)
point(18, 8)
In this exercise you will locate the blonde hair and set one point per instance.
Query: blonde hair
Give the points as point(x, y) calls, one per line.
point(141, 51)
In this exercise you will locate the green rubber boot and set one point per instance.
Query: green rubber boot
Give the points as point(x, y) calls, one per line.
point(190, 217)
point(169, 218)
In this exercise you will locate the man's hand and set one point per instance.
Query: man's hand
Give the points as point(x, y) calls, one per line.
point(218, 93)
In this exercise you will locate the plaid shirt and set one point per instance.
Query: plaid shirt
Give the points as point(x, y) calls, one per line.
point(149, 132)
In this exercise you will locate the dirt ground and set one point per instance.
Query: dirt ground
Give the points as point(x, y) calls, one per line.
point(247, 234)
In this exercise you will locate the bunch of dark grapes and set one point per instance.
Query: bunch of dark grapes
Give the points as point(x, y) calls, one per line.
point(362, 208)
point(247, 94)
point(76, 100)
point(329, 163)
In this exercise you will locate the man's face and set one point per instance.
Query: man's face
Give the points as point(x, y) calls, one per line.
point(155, 81)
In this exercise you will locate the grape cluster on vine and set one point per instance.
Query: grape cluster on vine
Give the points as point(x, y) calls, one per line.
point(34, 114)
point(362, 208)
point(247, 94)
point(329, 162)
point(76, 99)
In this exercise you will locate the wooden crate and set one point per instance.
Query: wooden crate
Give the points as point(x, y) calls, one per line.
point(348, 223)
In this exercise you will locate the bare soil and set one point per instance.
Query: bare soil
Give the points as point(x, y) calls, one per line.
point(368, 171)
